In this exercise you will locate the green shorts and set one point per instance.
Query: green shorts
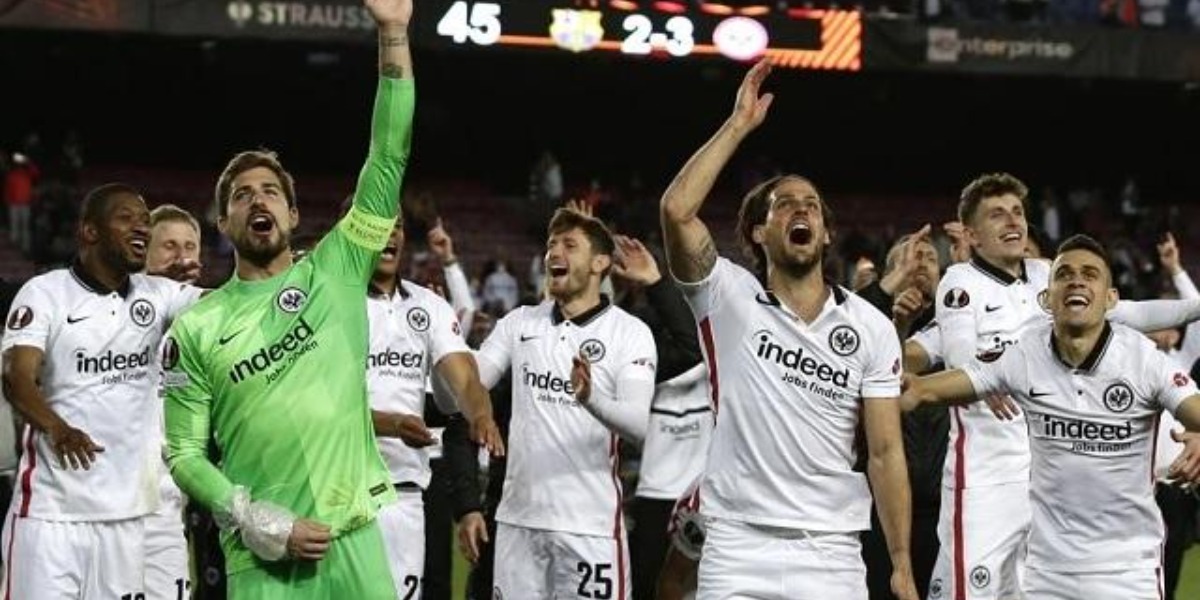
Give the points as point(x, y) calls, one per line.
point(355, 567)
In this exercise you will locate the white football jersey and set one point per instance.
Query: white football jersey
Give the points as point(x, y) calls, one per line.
point(410, 332)
point(981, 310)
point(562, 461)
point(1092, 433)
point(929, 338)
point(788, 396)
point(100, 373)
point(676, 446)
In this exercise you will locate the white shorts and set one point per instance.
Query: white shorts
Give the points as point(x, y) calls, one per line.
point(535, 564)
point(748, 561)
point(1134, 584)
point(167, 576)
point(983, 533)
point(61, 560)
point(403, 526)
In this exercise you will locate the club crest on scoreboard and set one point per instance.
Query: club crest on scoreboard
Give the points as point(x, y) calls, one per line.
point(576, 30)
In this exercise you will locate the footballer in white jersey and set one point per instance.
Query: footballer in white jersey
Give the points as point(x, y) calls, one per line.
point(795, 365)
point(174, 249)
point(678, 437)
point(81, 363)
point(413, 334)
point(982, 307)
point(582, 377)
point(1092, 394)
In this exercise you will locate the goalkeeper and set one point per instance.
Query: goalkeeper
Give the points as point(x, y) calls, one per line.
point(271, 365)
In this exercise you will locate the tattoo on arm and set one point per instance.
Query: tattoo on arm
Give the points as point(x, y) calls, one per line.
point(703, 259)
point(391, 41)
point(386, 42)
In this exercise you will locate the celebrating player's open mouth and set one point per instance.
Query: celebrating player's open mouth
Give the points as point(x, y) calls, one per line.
point(559, 274)
point(261, 224)
point(138, 242)
point(799, 233)
point(1014, 238)
point(1077, 302)
point(390, 253)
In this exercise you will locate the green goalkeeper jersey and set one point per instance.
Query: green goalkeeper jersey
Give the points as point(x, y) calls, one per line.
point(273, 370)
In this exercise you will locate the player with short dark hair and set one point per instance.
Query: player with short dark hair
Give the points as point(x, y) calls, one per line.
point(582, 378)
point(982, 307)
point(81, 367)
point(1092, 392)
point(794, 365)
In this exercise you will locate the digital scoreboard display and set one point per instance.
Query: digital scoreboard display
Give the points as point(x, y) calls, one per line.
point(666, 29)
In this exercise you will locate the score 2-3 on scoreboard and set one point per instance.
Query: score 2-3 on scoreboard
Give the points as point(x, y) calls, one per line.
point(665, 29)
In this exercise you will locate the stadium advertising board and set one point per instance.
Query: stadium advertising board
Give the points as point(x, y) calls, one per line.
point(105, 15)
point(1022, 50)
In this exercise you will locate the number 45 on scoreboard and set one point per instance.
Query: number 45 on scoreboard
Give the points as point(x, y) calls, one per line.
point(478, 22)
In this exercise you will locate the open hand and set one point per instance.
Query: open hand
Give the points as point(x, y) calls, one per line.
point(472, 535)
point(74, 448)
point(1003, 406)
point(486, 433)
point(634, 262)
point(750, 109)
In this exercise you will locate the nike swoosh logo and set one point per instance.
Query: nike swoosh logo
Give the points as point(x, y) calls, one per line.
point(992, 308)
point(766, 298)
point(229, 338)
point(73, 320)
point(526, 338)
point(1034, 394)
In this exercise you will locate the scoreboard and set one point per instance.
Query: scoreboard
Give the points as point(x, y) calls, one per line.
point(664, 29)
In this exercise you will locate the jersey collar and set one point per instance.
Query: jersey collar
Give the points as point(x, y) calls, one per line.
point(770, 299)
point(583, 318)
point(1000, 275)
point(93, 285)
point(375, 292)
point(1093, 357)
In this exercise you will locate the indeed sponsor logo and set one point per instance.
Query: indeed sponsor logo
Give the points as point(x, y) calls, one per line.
point(549, 388)
point(800, 361)
point(547, 381)
point(390, 358)
point(294, 344)
point(1078, 429)
point(111, 361)
point(682, 430)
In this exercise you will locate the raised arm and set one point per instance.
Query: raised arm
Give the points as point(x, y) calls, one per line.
point(353, 245)
point(392, 16)
point(691, 252)
point(676, 336)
